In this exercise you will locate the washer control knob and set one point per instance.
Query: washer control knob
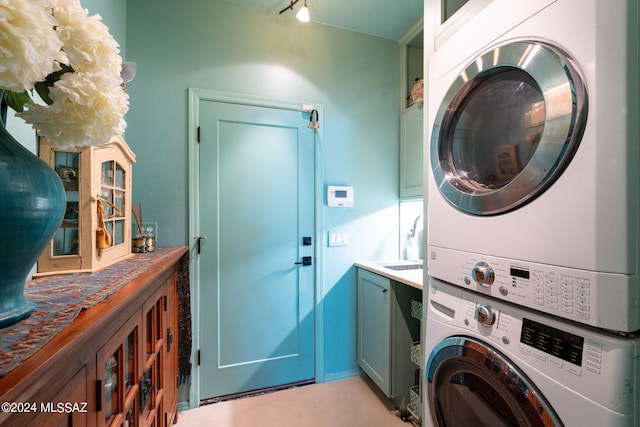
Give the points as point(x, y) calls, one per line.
point(483, 274)
point(485, 315)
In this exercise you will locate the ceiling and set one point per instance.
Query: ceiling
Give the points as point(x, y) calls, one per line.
point(389, 19)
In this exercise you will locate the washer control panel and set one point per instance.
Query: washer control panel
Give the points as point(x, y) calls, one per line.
point(603, 300)
point(592, 364)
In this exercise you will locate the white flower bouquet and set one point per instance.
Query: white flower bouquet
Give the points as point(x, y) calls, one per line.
point(72, 62)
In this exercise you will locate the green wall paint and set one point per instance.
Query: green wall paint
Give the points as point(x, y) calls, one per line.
point(211, 44)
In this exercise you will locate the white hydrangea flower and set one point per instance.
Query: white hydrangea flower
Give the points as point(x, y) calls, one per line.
point(87, 41)
point(29, 47)
point(84, 112)
point(89, 104)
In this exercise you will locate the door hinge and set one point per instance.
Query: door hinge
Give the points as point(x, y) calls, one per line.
point(198, 134)
point(199, 240)
point(198, 357)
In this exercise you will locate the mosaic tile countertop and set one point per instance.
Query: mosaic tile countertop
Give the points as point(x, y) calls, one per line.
point(60, 298)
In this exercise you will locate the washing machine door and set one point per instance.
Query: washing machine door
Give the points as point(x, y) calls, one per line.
point(469, 383)
point(508, 127)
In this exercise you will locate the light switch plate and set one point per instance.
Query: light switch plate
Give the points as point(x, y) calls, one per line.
point(338, 238)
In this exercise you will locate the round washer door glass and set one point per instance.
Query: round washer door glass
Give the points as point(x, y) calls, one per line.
point(469, 383)
point(508, 127)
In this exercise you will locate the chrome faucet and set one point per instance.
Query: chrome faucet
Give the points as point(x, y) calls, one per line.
point(415, 225)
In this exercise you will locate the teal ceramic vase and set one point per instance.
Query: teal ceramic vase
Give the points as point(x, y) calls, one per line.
point(32, 205)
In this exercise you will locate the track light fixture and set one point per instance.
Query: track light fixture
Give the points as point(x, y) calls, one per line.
point(303, 13)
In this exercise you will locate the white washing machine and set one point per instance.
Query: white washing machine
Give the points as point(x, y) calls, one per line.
point(534, 156)
point(492, 363)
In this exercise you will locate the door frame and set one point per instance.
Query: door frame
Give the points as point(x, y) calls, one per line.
point(195, 96)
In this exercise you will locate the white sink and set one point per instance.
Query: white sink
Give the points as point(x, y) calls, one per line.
point(402, 265)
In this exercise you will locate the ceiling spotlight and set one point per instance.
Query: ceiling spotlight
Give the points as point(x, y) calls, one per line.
point(303, 13)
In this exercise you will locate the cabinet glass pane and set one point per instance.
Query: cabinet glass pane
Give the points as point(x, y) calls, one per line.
point(118, 235)
point(66, 165)
point(130, 354)
point(159, 310)
point(158, 380)
point(66, 238)
point(111, 387)
point(150, 341)
point(65, 242)
point(108, 225)
point(130, 419)
point(107, 194)
point(119, 201)
point(120, 174)
point(107, 173)
point(148, 401)
point(449, 7)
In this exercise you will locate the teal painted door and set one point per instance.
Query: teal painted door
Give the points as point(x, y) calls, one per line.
point(256, 192)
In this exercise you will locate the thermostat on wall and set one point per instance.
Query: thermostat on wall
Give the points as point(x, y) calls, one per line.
point(340, 196)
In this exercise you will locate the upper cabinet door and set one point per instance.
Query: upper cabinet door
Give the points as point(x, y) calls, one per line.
point(411, 151)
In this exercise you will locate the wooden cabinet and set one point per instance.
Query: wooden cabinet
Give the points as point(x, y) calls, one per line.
point(92, 177)
point(388, 332)
point(117, 361)
point(411, 151)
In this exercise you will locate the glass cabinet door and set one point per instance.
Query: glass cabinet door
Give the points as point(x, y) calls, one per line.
point(113, 191)
point(118, 373)
point(151, 387)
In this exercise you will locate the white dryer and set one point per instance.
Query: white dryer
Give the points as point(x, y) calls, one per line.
point(534, 157)
point(492, 363)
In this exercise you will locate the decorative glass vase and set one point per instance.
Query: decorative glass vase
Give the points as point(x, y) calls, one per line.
point(32, 205)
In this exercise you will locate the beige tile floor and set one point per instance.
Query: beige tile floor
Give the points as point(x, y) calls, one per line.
point(353, 402)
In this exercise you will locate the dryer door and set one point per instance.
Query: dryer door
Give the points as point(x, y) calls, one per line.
point(469, 383)
point(507, 127)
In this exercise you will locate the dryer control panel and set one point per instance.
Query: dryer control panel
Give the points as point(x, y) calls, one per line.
point(602, 300)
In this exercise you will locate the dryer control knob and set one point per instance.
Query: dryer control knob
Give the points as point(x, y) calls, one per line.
point(485, 315)
point(483, 274)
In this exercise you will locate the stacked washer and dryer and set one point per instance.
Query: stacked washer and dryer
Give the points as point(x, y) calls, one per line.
point(533, 305)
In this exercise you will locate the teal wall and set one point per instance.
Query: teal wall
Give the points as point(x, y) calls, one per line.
point(211, 44)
